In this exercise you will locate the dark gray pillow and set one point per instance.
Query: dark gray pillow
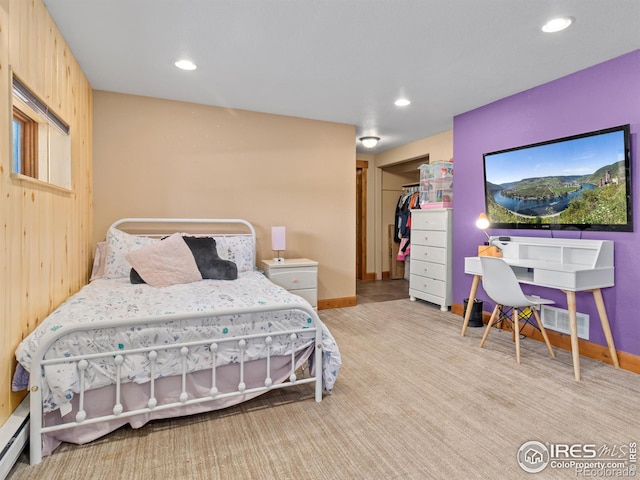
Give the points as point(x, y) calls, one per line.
point(210, 265)
point(135, 277)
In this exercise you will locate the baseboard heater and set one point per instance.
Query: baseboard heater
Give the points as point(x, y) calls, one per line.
point(14, 435)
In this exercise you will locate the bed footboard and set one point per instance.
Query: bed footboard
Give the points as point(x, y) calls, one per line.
point(309, 335)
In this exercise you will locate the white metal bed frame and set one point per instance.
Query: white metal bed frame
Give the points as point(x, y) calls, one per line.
point(83, 361)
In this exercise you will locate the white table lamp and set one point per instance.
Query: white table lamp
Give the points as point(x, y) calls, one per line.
point(488, 249)
point(278, 242)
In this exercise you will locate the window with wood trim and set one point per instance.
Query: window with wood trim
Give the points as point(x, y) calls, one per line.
point(25, 144)
point(41, 139)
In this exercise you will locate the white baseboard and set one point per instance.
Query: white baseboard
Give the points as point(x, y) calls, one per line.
point(14, 435)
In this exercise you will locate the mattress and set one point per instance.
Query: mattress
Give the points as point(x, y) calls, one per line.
point(117, 298)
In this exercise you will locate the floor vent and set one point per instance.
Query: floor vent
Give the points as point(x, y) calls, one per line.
point(558, 319)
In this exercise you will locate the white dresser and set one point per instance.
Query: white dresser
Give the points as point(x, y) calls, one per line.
point(431, 256)
point(298, 275)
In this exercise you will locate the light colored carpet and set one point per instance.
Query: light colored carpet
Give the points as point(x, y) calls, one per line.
point(414, 400)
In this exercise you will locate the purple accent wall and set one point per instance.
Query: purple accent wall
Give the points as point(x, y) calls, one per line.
point(602, 96)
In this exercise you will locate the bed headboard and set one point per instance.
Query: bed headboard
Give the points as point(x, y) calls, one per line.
point(161, 227)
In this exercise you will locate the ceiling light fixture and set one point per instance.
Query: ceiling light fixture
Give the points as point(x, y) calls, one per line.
point(370, 142)
point(402, 102)
point(185, 65)
point(557, 24)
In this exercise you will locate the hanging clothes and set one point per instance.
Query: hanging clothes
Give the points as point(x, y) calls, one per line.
point(397, 219)
point(406, 202)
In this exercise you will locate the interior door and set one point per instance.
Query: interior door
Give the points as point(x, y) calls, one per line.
point(361, 219)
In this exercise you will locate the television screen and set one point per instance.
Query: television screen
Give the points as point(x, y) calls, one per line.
point(582, 182)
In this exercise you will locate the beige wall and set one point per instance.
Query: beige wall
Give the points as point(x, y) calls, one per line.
point(46, 235)
point(166, 158)
point(437, 147)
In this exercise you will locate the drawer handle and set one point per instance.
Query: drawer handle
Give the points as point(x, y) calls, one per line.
point(426, 253)
point(294, 280)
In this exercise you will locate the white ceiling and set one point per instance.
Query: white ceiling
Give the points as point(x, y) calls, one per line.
point(342, 61)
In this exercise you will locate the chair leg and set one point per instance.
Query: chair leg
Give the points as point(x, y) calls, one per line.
point(492, 320)
point(516, 331)
point(544, 332)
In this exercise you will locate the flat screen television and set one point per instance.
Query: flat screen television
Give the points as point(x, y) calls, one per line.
point(582, 182)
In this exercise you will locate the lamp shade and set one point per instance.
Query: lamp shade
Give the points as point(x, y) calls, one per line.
point(483, 221)
point(278, 238)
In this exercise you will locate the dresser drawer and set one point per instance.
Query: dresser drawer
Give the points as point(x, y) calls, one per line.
point(428, 254)
point(437, 271)
point(436, 238)
point(427, 285)
point(295, 278)
point(309, 294)
point(429, 220)
point(438, 299)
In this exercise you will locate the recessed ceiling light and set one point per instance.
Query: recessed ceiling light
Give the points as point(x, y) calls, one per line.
point(186, 65)
point(402, 102)
point(557, 24)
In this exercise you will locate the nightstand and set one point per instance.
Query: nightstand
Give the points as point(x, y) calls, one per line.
point(298, 275)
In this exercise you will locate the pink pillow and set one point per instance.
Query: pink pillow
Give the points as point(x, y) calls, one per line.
point(165, 263)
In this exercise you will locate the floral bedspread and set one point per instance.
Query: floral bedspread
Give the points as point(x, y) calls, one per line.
point(119, 299)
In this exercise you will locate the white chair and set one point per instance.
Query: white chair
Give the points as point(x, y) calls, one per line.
point(501, 285)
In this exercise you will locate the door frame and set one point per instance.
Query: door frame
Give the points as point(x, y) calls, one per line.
point(361, 219)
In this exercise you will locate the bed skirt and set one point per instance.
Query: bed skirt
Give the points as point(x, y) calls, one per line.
point(134, 396)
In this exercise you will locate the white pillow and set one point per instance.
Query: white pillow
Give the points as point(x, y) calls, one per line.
point(165, 263)
point(120, 243)
point(238, 249)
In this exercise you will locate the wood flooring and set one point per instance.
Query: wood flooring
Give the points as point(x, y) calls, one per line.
point(381, 290)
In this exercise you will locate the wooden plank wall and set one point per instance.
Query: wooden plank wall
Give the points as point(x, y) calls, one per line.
point(46, 237)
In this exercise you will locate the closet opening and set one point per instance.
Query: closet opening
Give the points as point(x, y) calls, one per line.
point(394, 282)
point(400, 184)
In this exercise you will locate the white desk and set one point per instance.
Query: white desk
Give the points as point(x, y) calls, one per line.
point(563, 264)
